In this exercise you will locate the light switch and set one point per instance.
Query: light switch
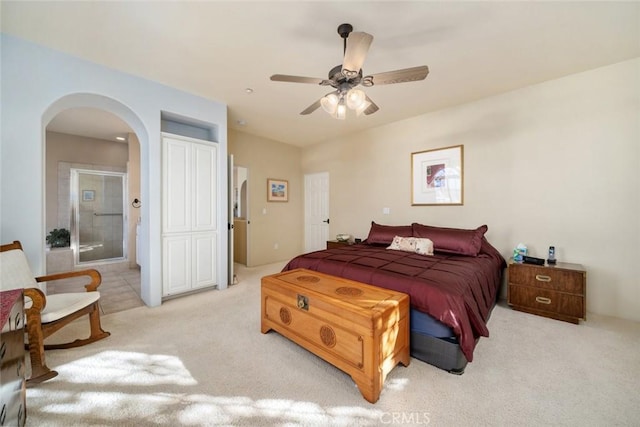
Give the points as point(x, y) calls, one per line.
point(386, 211)
point(264, 211)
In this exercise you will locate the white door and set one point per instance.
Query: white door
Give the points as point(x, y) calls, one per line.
point(176, 186)
point(204, 187)
point(190, 217)
point(316, 211)
point(203, 254)
point(230, 216)
point(176, 264)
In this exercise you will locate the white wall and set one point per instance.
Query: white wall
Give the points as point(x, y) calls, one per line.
point(37, 83)
point(552, 164)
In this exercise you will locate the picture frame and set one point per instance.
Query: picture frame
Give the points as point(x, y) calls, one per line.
point(437, 177)
point(277, 190)
point(88, 195)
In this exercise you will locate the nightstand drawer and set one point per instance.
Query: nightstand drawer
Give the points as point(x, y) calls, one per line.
point(332, 244)
point(545, 300)
point(547, 278)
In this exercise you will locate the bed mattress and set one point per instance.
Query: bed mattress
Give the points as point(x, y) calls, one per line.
point(425, 324)
point(451, 295)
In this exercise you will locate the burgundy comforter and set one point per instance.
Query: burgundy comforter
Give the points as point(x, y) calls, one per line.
point(458, 290)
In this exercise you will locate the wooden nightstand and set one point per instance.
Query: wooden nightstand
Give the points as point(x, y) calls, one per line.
point(331, 244)
point(555, 291)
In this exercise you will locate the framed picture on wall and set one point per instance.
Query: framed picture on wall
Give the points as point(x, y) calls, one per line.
point(437, 177)
point(88, 195)
point(277, 190)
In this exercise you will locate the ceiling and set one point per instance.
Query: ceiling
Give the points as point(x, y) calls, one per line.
point(218, 49)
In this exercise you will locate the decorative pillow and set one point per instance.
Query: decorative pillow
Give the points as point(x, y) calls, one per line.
point(452, 240)
point(384, 234)
point(412, 244)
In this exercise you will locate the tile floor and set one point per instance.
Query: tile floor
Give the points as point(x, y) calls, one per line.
point(120, 288)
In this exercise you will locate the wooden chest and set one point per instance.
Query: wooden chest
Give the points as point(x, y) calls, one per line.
point(361, 329)
point(558, 291)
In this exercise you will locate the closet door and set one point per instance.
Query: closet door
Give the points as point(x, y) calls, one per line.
point(176, 186)
point(190, 215)
point(204, 161)
point(204, 257)
point(177, 268)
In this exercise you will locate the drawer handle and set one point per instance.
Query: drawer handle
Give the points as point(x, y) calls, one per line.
point(542, 278)
point(543, 300)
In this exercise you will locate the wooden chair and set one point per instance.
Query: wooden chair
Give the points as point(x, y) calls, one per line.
point(47, 314)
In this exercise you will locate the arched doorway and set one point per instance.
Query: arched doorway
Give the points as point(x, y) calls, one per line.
point(80, 134)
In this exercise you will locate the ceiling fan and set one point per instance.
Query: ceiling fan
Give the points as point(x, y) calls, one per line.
point(346, 77)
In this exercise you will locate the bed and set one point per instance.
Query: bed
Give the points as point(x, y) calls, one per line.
point(451, 275)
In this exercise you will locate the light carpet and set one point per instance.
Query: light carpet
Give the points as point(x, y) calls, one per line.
point(200, 360)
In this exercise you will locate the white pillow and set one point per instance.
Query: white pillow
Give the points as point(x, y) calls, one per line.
point(418, 245)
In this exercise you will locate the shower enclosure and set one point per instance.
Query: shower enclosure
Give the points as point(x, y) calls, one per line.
point(98, 231)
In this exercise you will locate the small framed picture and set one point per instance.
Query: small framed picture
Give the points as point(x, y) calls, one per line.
point(277, 190)
point(88, 195)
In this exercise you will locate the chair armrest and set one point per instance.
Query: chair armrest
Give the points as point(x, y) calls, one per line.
point(38, 300)
point(96, 278)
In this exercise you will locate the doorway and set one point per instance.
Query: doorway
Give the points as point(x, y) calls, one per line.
point(316, 211)
point(99, 218)
point(240, 215)
point(94, 132)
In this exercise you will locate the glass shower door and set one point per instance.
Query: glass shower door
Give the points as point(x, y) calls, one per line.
point(98, 229)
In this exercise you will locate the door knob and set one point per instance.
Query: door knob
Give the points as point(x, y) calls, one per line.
point(326, 220)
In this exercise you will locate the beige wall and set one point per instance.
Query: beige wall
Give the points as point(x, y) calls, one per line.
point(282, 224)
point(75, 149)
point(553, 164)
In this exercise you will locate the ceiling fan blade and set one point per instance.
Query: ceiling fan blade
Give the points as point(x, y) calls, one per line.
point(355, 53)
point(371, 108)
point(399, 76)
point(311, 108)
point(296, 79)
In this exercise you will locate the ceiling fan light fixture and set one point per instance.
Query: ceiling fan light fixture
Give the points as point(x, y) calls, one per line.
point(341, 111)
point(329, 103)
point(355, 98)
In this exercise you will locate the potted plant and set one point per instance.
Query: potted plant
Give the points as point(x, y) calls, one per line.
point(59, 238)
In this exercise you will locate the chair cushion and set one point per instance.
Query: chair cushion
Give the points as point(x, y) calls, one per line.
point(61, 305)
point(15, 272)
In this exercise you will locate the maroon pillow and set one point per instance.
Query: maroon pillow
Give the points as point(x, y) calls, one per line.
point(384, 234)
point(452, 240)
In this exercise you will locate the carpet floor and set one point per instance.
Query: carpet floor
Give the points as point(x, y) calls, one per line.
point(200, 360)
